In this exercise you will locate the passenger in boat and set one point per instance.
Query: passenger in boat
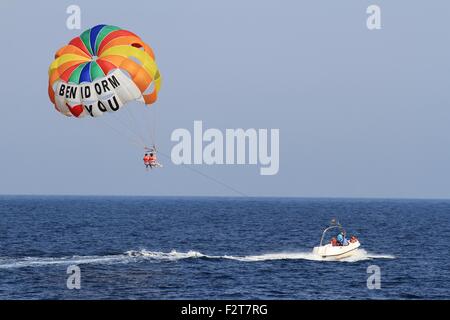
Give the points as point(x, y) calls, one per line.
point(334, 242)
point(345, 243)
point(353, 239)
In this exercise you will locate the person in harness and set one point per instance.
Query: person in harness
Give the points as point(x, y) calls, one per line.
point(150, 160)
point(147, 159)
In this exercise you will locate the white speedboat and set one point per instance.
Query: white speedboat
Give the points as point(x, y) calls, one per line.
point(333, 250)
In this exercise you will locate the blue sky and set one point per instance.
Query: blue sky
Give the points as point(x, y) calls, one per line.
point(361, 113)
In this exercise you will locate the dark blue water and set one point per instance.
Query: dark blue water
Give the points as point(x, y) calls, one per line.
point(219, 248)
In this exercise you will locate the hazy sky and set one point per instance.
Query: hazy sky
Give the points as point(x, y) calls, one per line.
point(361, 113)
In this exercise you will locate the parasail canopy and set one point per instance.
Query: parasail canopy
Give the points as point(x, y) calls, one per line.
point(101, 71)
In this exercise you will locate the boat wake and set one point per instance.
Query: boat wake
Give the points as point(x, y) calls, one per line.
point(142, 255)
point(11, 263)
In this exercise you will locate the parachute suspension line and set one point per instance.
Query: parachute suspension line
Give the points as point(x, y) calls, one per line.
point(153, 123)
point(126, 128)
point(209, 177)
point(131, 140)
point(136, 125)
point(149, 128)
point(129, 128)
point(149, 124)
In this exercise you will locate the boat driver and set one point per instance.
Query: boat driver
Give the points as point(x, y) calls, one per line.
point(341, 239)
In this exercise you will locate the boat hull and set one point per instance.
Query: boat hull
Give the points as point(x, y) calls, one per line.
point(337, 252)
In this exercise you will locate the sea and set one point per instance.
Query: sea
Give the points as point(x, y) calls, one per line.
point(83, 247)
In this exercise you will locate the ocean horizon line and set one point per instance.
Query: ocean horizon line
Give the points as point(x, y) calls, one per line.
point(375, 198)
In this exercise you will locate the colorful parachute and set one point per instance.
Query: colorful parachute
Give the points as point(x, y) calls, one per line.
point(100, 71)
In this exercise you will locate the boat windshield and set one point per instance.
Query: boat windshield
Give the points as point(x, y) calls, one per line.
point(337, 226)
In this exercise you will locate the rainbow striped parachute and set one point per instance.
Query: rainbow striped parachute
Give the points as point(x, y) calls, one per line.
point(100, 71)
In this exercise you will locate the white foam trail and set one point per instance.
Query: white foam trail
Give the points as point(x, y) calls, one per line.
point(361, 255)
point(172, 255)
point(276, 256)
point(133, 256)
point(9, 263)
